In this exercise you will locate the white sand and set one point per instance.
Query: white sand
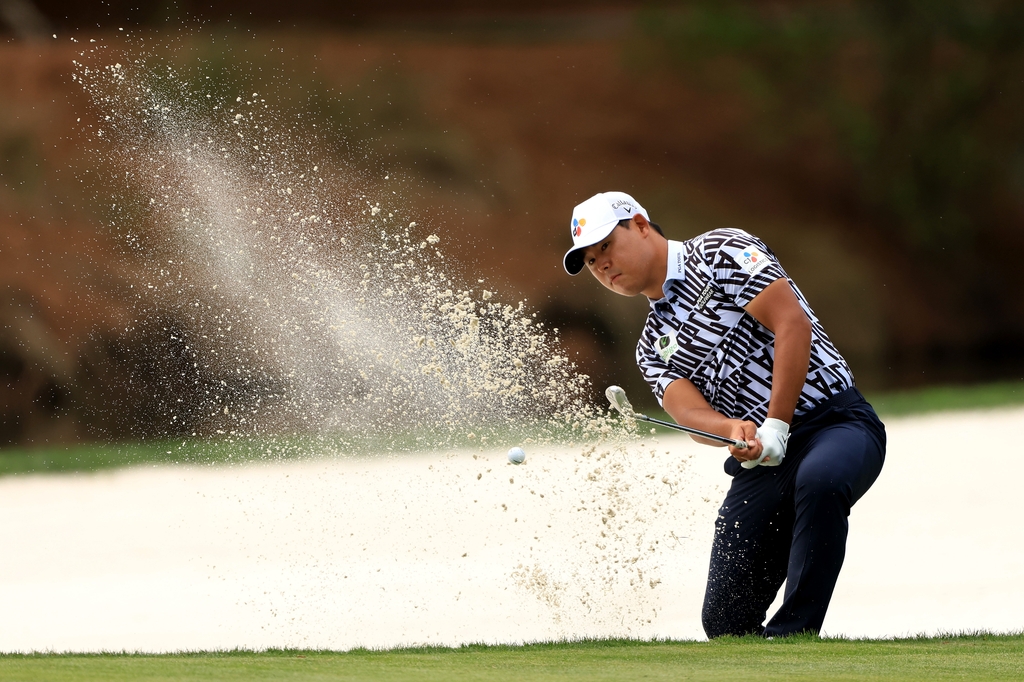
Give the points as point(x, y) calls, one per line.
point(343, 552)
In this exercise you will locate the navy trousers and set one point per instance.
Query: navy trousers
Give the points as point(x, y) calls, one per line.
point(790, 522)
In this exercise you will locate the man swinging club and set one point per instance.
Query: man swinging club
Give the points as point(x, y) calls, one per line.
point(731, 347)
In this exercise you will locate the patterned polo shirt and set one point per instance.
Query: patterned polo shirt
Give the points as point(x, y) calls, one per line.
point(700, 331)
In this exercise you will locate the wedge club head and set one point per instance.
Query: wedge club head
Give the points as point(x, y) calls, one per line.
point(617, 397)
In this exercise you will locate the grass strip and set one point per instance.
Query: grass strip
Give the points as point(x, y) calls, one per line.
point(99, 456)
point(970, 657)
point(933, 399)
point(88, 457)
point(948, 398)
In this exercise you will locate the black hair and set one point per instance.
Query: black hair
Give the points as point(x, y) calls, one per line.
point(656, 226)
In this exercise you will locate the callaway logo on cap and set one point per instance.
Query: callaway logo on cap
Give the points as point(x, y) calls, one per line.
point(593, 220)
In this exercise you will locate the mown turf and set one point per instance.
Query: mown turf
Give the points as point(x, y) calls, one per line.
point(94, 457)
point(975, 657)
point(98, 456)
point(941, 398)
point(936, 399)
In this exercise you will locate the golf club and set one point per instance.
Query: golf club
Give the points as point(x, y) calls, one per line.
point(617, 397)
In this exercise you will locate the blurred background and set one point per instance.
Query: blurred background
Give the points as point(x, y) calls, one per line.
point(875, 145)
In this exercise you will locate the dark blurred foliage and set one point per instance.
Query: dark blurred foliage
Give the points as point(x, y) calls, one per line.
point(921, 103)
point(876, 147)
point(936, 138)
point(344, 13)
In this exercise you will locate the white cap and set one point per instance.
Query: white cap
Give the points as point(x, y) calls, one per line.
point(593, 220)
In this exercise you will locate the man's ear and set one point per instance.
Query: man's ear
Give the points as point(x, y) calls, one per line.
point(642, 225)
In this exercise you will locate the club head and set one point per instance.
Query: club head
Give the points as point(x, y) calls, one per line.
point(617, 397)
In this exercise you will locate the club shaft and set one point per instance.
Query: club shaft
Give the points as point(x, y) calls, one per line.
point(695, 432)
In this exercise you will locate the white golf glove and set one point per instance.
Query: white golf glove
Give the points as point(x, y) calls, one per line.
point(774, 435)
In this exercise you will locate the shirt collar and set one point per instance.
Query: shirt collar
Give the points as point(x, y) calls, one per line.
point(676, 268)
point(676, 259)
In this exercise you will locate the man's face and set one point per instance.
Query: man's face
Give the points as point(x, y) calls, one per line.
point(621, 261)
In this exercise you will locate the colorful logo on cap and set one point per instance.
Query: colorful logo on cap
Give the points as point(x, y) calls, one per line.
point(577, 226)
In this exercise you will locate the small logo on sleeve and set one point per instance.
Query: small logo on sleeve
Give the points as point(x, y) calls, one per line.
point(667, 346)
point(751, 260)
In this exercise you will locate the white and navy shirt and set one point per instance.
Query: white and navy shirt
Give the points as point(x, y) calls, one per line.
point(700, 331)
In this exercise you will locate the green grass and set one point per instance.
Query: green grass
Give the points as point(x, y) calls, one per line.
point(236, 449)
point(944, 398)
point(94, 457)
point(967, 657)
point(934, 399)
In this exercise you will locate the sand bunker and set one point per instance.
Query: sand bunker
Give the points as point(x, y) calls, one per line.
point(465, 547)
point(307, 301)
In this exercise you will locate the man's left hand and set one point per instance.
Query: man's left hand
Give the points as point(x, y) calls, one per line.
point(774, 436)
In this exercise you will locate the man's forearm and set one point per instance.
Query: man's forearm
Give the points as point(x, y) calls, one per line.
point(685, 404)
point(706, 419)
point(792, 358)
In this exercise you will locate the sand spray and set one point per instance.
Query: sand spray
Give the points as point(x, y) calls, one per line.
point(326, 313)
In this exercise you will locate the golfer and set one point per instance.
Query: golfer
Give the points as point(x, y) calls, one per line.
point(732, 347)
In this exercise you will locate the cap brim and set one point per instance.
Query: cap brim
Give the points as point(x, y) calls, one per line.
point(573, 259)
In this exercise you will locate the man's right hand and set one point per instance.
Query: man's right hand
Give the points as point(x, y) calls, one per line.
point(746, 431)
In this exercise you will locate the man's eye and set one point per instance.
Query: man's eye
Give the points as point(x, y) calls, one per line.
point(604, 246)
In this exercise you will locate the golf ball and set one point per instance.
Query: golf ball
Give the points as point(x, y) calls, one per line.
point(516, 455)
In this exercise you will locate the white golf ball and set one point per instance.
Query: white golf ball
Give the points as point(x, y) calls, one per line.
point(516, 455)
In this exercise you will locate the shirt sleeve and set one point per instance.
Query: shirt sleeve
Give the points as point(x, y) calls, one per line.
point(657, 373)
point(741, 263)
